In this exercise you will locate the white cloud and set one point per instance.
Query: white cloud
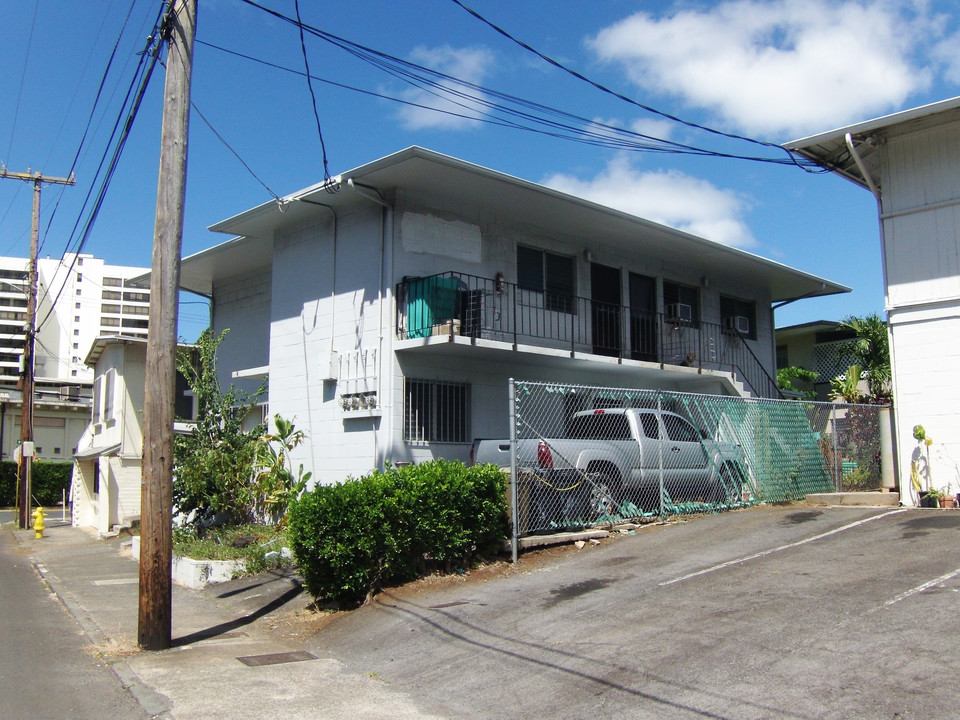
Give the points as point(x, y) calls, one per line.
point(468, 64)
point(667, 197)
point(662, 129)
point(948, 53)
point(777, 67)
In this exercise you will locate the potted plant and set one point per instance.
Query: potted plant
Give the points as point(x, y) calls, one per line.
point(930, 498)
point(947, 499)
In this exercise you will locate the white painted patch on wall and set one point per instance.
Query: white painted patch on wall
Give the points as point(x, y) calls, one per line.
point(429, 234)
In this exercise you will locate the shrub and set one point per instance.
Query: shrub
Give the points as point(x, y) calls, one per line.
point(48, 480)
point(8, 484)
point(214, 463)
point(353, 538)
point(222, 472)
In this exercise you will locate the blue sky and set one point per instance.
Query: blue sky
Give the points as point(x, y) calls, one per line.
point(771, 70)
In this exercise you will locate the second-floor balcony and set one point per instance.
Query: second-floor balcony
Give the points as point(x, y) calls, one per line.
point(469, 306)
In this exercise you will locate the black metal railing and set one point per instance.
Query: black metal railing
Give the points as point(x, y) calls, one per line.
point(490, 308)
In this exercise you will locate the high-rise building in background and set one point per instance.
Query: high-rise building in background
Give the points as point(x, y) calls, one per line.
point(79, 298)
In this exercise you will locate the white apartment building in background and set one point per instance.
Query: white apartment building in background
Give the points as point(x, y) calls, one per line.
point(79, 298)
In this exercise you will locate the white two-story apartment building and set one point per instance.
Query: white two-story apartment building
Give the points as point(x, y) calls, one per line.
point(389, 306)
point(910, 161)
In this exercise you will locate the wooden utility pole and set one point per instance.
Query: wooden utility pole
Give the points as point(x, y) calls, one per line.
point(26, 374)
point(156, 496)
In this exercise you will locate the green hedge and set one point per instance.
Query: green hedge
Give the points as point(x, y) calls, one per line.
point(353, 538)
point(48, 480)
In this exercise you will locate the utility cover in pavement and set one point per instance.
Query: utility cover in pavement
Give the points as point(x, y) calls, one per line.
point(276, 658)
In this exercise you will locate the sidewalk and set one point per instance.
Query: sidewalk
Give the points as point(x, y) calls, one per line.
point(227, 660)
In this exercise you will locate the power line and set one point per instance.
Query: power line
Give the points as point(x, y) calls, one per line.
point(618, 95)
point(313, 97)
point(148, 62)
point(23, 75)
point(558, 124)
point(228, 147)
point(145, 65)
point(93, 108)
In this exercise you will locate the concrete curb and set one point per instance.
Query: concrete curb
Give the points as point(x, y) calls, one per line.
point(157, 706)
point(855, 499)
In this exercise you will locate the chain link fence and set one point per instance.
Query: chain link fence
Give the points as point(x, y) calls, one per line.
point(584, 456)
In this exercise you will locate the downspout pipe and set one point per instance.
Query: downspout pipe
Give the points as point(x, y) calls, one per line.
point(385, 388)
point(848, 138)
point(883, 260)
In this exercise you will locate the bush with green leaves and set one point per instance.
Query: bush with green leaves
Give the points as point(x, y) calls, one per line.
point(786, 376)
point(353, 538)
point(48, 480)
point(225, 474)
point(276, 485)
point(214, 463)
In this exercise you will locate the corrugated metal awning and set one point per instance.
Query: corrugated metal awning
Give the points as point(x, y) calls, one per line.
point(95, 451)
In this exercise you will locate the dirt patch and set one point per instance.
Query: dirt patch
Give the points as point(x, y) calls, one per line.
point(112, 650)
point(298, 625)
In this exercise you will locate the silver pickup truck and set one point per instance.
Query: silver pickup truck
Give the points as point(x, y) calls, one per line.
point(626, 453)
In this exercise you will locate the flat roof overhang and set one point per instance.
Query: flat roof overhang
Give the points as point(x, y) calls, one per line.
point(450, 182)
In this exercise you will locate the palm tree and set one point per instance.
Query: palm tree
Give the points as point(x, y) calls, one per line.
point(871, 351)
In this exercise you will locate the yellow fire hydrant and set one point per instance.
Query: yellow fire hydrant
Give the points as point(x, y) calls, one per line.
point(38, 525)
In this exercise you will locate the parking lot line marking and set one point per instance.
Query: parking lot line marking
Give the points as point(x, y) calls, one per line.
point(919, 589)
point(771, 551)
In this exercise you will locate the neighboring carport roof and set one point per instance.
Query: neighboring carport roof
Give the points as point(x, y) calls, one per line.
point(453, 182)
point(807, 327)
point(830, 150)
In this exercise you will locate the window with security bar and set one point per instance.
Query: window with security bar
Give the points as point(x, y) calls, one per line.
point(436, 411)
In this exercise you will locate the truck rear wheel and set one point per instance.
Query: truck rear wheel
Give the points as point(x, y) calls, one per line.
point(604, 493)
point(730, 487)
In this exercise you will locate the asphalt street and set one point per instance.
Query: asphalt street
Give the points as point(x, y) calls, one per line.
point(776, 612)
point(794, 612)
point(48, 669)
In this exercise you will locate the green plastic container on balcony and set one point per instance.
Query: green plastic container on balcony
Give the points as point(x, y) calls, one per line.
point(431, 301)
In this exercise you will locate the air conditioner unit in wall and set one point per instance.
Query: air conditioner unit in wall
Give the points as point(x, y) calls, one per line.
point(738, 324)
point(679, 312)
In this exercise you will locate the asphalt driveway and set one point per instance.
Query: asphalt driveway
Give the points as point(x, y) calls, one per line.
point(774, 612)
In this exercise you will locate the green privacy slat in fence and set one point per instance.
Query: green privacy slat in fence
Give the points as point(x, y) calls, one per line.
point(746, 450)
point(782, 451)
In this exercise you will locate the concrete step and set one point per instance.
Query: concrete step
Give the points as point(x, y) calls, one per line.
point(848, 499)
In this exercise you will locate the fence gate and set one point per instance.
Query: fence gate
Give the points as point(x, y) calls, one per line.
point(583, 456)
